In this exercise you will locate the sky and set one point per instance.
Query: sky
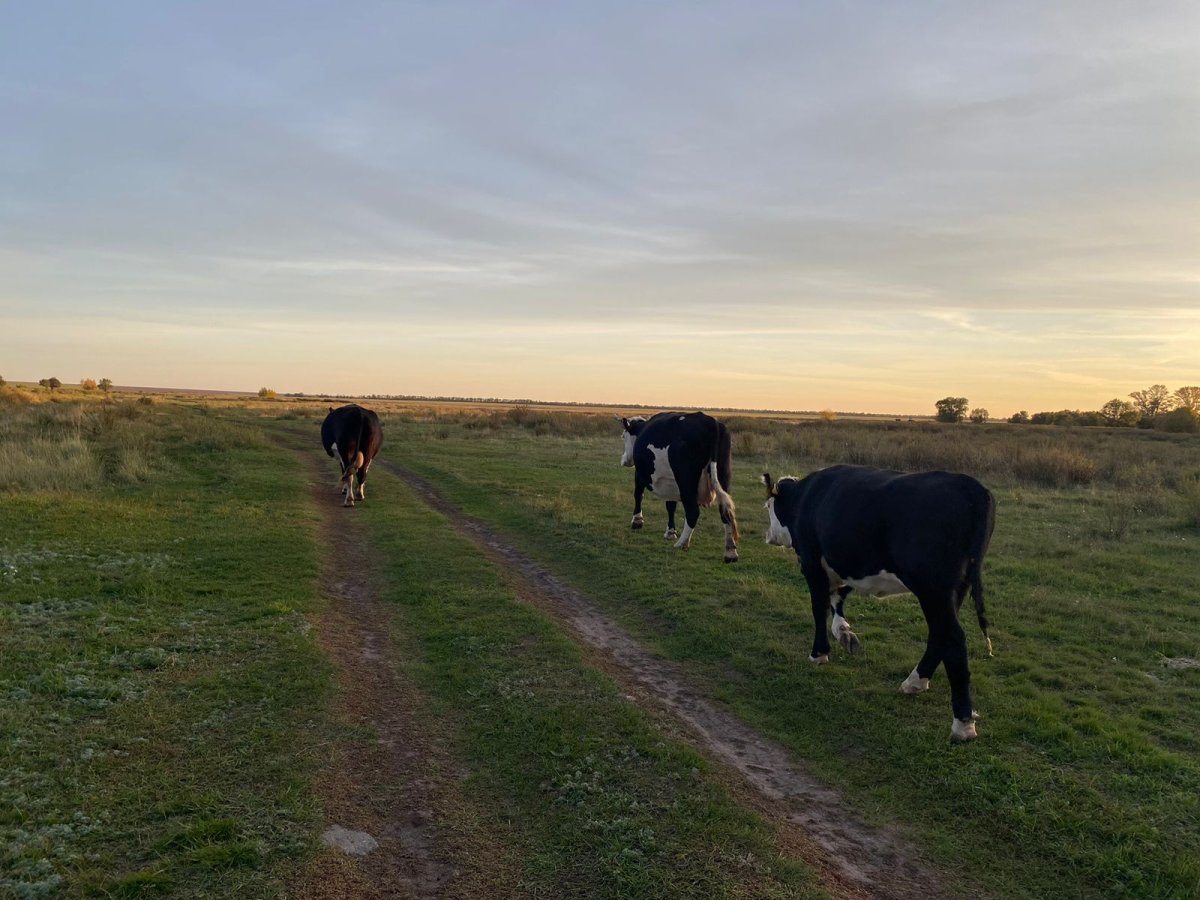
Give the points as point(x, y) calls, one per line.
point(854, 206)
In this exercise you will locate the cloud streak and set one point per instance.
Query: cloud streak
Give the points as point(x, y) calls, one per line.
point(818, 192)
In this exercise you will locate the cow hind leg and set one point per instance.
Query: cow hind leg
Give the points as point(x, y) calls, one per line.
point(949, 641)
point(731, 553)
point(962, 728)
point(691, 515)
point(917, 681)
point(671, 533)
point(362, 480)
point(352, 468)
point(638, 519)
point(841, 628)
point(818, 589)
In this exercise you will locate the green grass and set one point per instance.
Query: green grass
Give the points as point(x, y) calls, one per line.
point(163, 704)
point(597, 802)
point(1086, 780)
point(157, 682)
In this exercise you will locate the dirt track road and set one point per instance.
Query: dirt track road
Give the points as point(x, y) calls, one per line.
point(857, 859)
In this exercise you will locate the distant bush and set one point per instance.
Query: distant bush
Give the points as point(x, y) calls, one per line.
point(827, 415)
point(1119, 413)
point(11, 395)
point(1019, 418)
point(1054, 467)
point(979, 415)
point(1190, 496)
point(88, 384)
point(745, 443)
point(1178, 421)
point(266, 393)
point(1068, 417)
point(951, 409)
point(106, 384)
point(146, 400)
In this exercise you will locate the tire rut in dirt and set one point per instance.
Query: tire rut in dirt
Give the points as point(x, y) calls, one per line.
point(382, 786)
point(873, 860)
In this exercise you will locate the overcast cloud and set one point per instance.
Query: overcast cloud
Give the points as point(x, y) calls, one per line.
point(853, 205)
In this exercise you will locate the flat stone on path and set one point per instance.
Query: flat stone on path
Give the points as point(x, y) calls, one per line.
point(354, 843)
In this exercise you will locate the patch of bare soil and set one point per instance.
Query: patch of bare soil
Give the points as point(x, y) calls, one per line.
point(388, 795)
point(814, 821)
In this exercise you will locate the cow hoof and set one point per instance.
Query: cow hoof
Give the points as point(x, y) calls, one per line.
point(731, 556)
point(670, 535)
point(636, 524)
point(964, 731)
point(914, 684)
point(849, 640)
point(819, 660)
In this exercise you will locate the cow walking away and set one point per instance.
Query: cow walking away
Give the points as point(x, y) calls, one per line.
point(879, 532)
point(682, 458)
point(352, 435)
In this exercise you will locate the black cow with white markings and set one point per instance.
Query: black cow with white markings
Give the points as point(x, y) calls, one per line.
point(682, 458)
point(879, 532)
point(352, 435)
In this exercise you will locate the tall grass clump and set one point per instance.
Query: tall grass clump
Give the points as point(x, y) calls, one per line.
point(39, 464)
point(12, 397)
point(1190, 496)
point(75, 446)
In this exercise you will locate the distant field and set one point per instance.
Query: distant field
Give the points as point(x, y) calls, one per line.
point(308, 405)
point(169, 718)
point(1086, 780)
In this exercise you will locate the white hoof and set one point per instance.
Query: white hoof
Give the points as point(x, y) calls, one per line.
point(670, 535)
point(849, 640)
point(637, 521)
point(964, 731)
point(819, 660)
point(914, 684)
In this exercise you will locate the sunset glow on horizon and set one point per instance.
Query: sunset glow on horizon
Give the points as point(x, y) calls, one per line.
point(853, 206)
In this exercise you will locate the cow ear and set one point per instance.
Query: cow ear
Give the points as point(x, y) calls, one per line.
point(624, 422)
point(770, 483)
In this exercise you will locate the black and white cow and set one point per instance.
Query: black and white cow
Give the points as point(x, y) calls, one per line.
point(352, 434)
point(879, 532)
point(683, 458)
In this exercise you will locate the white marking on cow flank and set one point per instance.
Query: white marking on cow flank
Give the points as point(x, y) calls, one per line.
point(885, 584)
point(662, 478)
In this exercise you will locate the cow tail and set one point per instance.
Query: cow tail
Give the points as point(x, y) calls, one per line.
point(720, 473)
point(979, 545)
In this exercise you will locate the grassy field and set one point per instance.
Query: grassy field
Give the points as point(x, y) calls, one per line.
point(1087, 779)
point(596, 802)
point(158, 681)
point(165, 703)
point(165, 710)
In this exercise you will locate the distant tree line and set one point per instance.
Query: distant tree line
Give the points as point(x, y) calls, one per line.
point(88, 384)
point(1155, 407)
